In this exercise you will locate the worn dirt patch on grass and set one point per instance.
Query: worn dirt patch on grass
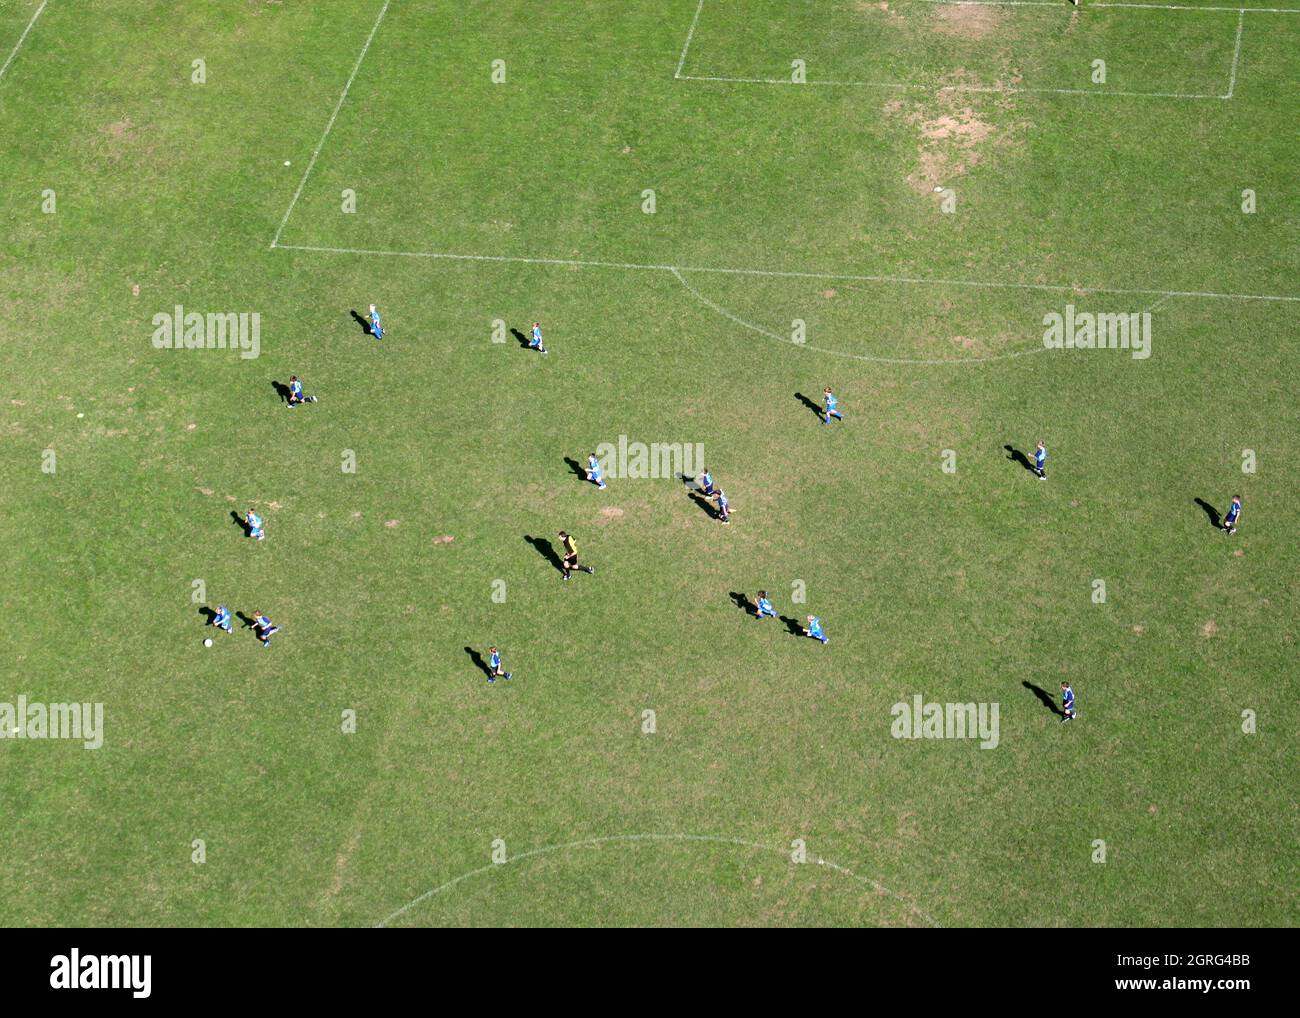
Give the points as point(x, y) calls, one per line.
point(963, 22)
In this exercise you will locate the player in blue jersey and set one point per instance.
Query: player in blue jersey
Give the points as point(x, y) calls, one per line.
point(596, 473)
point(705, 481)
point(535, 339)
point(832, 405)
point(1040, 462)
point(222, 619)
point(376, 327)
point(764, 606)
point(264, 628)
point(295, 392)
point(494, 666)
point(724, 507)
point(1067, 703)
point(814, 630)
point(1234, 514)
point(254, 524)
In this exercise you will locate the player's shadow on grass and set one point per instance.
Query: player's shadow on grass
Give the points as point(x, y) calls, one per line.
point(477, 658)
point(208, 615)
point(741, 601)
point(704, 504)
point(1044, 697)
point(365, 325)
point(523, 340)
point(281, 390)
point(248, 623)
point(792, 626)
point(811, 405)
point(239, 521)
point(576, 467)
point(1216, 521)
point(1019, 457)
point(546, 550)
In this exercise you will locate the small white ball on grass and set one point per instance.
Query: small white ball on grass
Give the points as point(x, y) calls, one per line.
point(286, 162)
point(208, 642)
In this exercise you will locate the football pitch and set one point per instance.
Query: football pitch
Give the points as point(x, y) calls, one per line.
point(982, 225)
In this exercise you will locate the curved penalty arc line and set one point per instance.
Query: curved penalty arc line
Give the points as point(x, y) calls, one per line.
point(625, 838)
point(712, 305)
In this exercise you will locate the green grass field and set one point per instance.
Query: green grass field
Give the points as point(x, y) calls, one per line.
point(940, 566)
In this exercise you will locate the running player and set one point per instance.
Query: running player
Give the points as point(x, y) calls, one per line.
point(494, 667)
point(1234, 514)
point(1040, 462)
point(570, 562)
point(254, 524)
point(724, 507)
point(535, 340)
point(1067, 703)
point(265, 628)
point(815, 630)
point(222, 619)
point(595, 474)
point(832, 405)
point(765, 609)
point(376, 328)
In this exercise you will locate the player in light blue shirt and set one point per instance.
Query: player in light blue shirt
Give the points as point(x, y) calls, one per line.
point(535, 342)
point(376, 328)
point(705, 481)
point(295, 392)
point(254, 523)
point(1067, 703)
point(1234, 514)
point(724, 507)
point(222, 619)
point(765, 609)
point(815, 630)
point(494, 666)
point(832, 405)
point(265, 628)
point(595, 473)
point(1040, 462)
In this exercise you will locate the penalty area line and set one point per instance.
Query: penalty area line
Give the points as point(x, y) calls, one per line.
point(790, 274)
point(330, 126)
point(22, 38)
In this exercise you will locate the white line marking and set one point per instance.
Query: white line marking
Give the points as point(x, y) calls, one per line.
point(330, 126)
point(1140, 7)
point(689, 36)
point(1236, 55)
point(22, 38)
point(593, 842)
point(844, 353)
point(1241, 13)
point(777, 273)
point(999, 89)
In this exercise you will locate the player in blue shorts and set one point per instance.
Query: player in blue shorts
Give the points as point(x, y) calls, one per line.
point(1234, 514)
point(705, 482)
point(815, 630)
point(222, 619)
point(254, 524)
point(265, 628)
point(1040, 462)
point(376, 328)
point(832, 405)
point(535, 341)
point(724, 507)
point(1067, 703)
point(595, 474)
point(295, 392)
point(765, 609)
point(494, 666)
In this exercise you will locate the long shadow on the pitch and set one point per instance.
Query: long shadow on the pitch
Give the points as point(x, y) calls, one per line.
point(248, 622)
point(811, 405)
point(239, 521)
point(741, 601)
point(547, 551)
point(281, 390)
point(1044, 697)
point(578, 471)
point(704, 504)
point(365, 325)
point(792, 626)
point(477, 658)
point(523, 340)
point(1216, 521)
point(1019, 457)
point(208, 615)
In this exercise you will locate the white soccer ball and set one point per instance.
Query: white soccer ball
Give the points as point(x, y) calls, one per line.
point(208, 642)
